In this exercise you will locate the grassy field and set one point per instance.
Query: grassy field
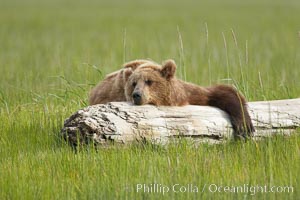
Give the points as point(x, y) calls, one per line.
point(53, 52)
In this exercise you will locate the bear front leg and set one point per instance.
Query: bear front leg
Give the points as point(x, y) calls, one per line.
point(234, 104)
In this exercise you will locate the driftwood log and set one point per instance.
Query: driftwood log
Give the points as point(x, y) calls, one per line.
point(121, 122)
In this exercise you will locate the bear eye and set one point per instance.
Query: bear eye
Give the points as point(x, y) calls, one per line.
point(149, 82)
point(133, 84)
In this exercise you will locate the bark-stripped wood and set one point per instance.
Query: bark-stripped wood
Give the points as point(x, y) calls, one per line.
point(122, 122)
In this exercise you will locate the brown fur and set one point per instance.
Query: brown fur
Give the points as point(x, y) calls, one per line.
point(157, 85)
point(112, 87)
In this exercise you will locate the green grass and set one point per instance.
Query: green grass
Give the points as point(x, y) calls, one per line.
point(53, 52)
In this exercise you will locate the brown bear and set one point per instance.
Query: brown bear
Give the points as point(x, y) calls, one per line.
point(155, 84)
point(112, 87)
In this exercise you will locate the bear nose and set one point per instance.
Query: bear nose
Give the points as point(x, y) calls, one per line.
point(136, 95)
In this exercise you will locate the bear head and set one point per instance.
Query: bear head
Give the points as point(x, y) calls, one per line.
point(151, 84)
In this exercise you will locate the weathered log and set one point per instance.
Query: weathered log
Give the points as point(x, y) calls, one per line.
point(121, 122)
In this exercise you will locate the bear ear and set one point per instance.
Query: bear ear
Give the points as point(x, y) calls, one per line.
point(135, 63)
point(168, 69)
point(126, 73)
